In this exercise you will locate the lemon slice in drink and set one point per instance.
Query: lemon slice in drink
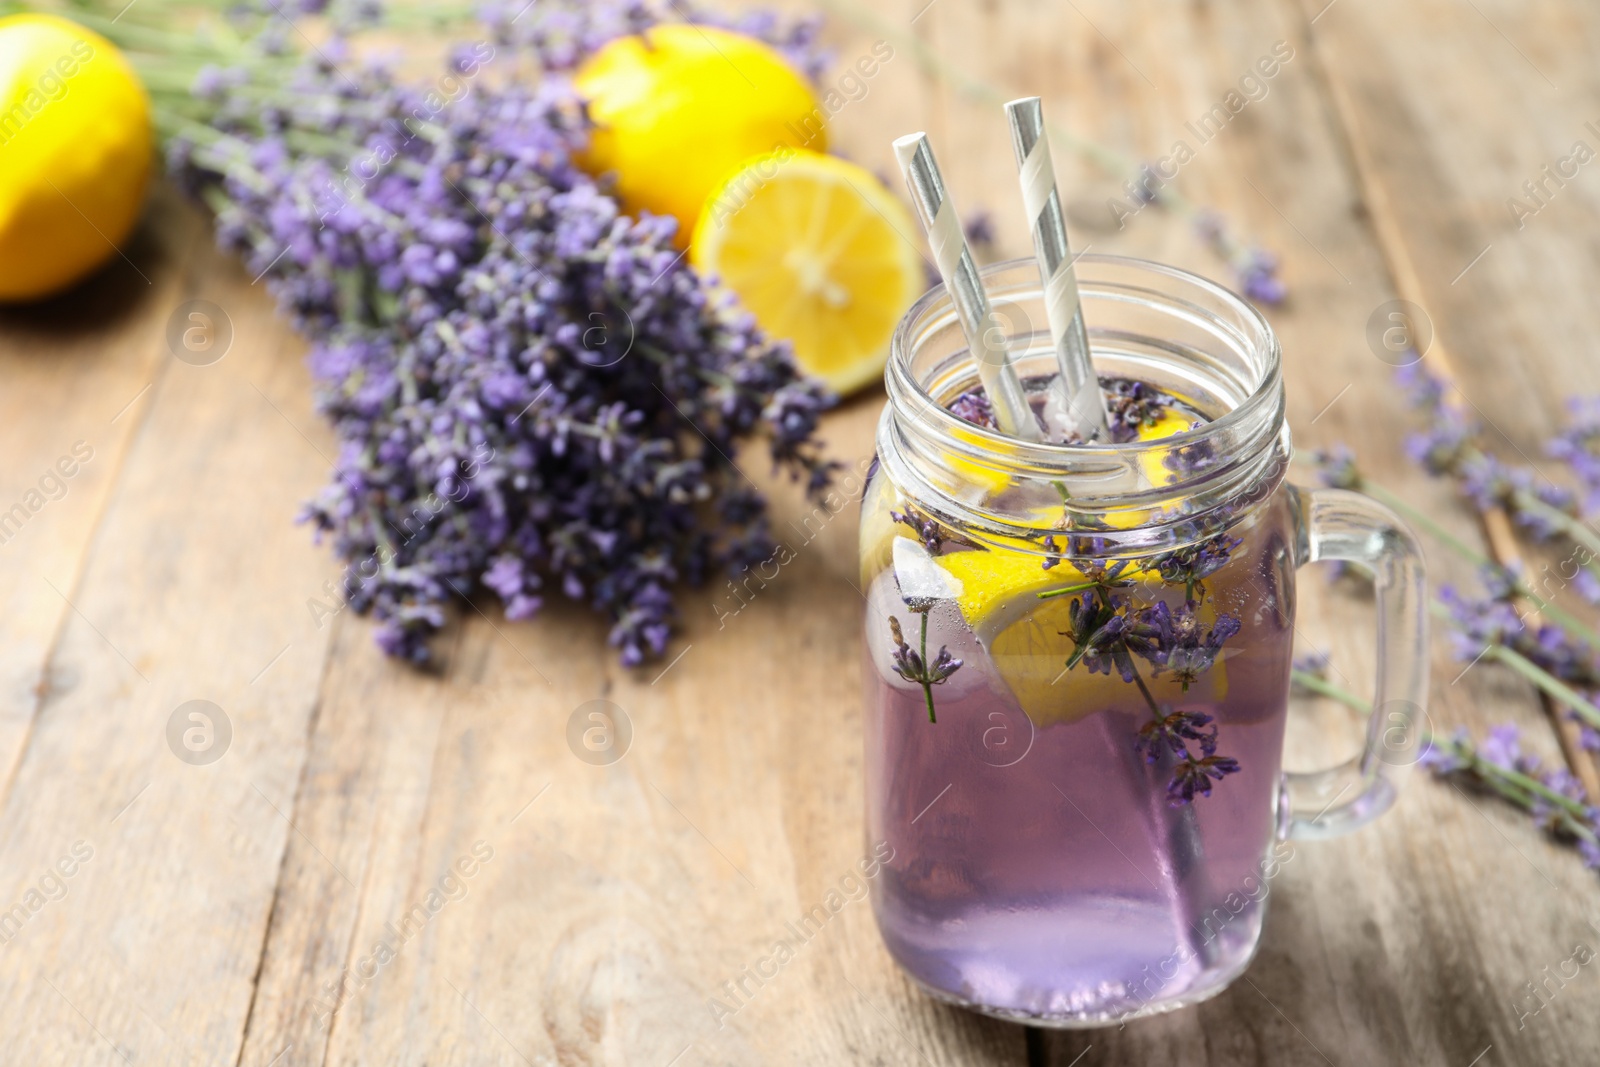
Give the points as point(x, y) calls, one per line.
point(1171, 422)
point(820, 253)
point(997, 592)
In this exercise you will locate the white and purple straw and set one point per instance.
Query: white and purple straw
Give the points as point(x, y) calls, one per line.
point(984, 332)
point(1085, 407)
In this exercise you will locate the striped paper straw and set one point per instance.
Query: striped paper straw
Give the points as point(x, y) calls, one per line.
point(984, 332)
point(1085, 405)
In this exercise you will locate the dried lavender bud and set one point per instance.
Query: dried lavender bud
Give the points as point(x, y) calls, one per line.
point(1096, 627)
point(1578, 446)
point(1337, 467)
point(1480, 624)
point(1172, 733)
point(1450, 446)
point(1130, 405)
point(1107, 632)
point(933, 535)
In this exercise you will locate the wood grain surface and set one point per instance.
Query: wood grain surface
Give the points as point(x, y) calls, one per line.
point(396, 867)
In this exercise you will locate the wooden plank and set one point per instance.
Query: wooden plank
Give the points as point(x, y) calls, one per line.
point(72, 380)
point(196, 589)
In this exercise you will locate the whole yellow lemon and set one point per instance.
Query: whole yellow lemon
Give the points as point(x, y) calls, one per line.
point(75, 153)
point(679, 108)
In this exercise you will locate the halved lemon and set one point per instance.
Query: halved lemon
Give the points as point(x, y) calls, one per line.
point(820, 253)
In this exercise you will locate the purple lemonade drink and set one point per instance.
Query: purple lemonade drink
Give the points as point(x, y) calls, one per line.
point(1077, 661)
point(1039, 865)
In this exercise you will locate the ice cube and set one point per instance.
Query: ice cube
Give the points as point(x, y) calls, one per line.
point(923, 583)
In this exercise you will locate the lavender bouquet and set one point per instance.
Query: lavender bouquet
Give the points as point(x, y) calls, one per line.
point(532, 392)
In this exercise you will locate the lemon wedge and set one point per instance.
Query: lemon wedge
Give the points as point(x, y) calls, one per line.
point(820, 253)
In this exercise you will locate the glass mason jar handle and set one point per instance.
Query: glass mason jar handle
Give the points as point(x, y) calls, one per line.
point(1337, 524)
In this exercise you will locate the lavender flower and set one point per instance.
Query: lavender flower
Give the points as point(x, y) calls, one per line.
point(1189, 567)
point(1172, 734)
point(1130, 405)
point(916, 668)
point(1450, 446)
point(1554, 798)
point(1446, 758)
point(974, 407)
point(1255, 268)
point(979, 231)
point(1173, 640)
point(1096, 632)
point(1107, 633)
point(1193, 776)
point(560, 34)
point(1314, 663)
point(933, 535)
point(1489, 623)
point(1578, 446)
point(1337, 467)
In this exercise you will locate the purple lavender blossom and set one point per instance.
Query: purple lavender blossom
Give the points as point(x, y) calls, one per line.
point(973, 406)
point(1172, 734)
point(1555, 800)
point(929, 532)
point(1313, 662)
point(1194, 776)
point(1578, 446)
point(1450, 446)
point(1107, 633)
point(1447, 758)
point(1336, 466)
point(1096, 629)
point(1173, 641)
point(979, 231)
point(914, 666)
point(1255, 268)
point(1131, 404)
point(1503, 747)
point(1481, 624)
point(1189, 567)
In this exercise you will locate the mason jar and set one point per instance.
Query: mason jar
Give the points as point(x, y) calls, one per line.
point(1078, 657)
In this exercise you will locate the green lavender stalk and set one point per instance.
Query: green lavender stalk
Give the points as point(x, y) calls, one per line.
point(1520, 789)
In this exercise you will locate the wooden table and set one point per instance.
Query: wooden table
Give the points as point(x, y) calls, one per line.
point(233, 912)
